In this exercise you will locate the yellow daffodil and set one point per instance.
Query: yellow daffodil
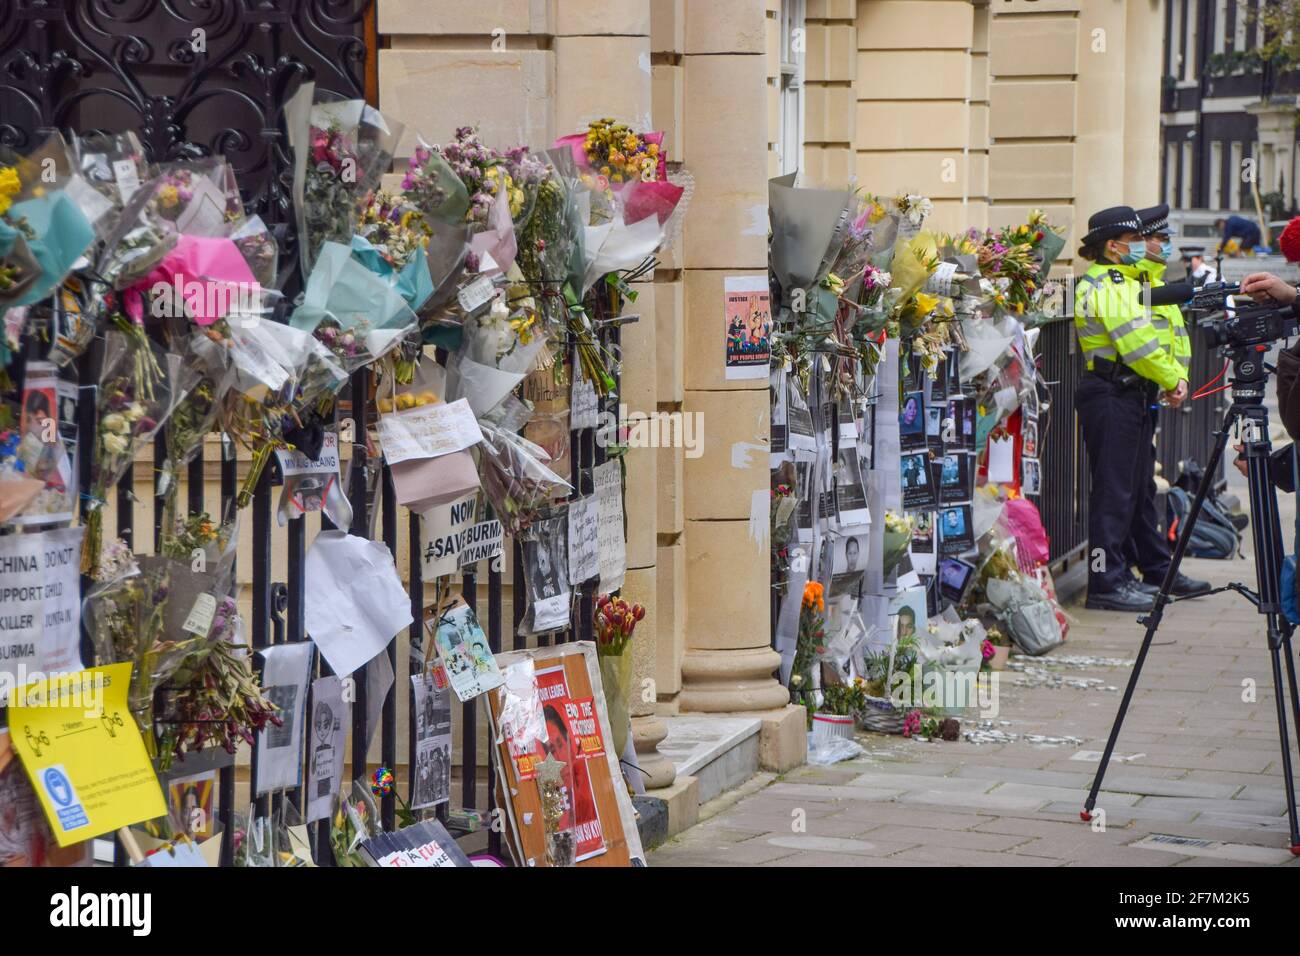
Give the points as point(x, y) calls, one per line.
point(926, 303)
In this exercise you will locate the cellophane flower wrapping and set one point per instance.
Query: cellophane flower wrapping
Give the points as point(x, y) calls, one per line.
point(548, 241)
point(139, 387)
point(46, 212)
point(356, 313)
point(113, 165)
point(516, 477)
point(155, 620)
point(196, 414)
point(341, 150)
point(499, 347)
point(196, 197)
point(258, 247)
point(142, 237)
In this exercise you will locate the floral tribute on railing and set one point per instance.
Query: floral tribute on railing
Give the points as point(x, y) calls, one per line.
point(478, 290)
point(907, 416)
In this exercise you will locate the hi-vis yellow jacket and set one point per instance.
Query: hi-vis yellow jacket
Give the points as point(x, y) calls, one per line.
point(1167, 320)
point(1113, 324)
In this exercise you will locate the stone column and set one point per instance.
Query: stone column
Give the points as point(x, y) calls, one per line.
point(1275, 121)
point(603, 69)
point(729, 663)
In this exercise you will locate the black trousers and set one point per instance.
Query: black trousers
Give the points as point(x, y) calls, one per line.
point(1118, 424)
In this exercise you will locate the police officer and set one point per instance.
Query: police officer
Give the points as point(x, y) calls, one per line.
point(1199, 272)
point(1167, 320)
point(1128, 367)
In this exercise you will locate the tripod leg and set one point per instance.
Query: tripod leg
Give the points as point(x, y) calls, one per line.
point(1280, 693)
point(1288, 655)
point(1152, 620)
point(1267, 533)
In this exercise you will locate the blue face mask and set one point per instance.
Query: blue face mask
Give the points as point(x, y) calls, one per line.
point(1166, 250)
point(1136, 253)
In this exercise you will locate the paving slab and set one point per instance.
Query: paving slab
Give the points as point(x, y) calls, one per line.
point(1197, 781)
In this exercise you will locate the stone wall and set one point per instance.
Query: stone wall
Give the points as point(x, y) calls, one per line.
point(989, 108)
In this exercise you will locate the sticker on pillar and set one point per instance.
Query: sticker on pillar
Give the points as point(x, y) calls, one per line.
point(748, 311)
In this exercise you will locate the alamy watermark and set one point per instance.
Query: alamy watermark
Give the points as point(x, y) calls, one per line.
point(207, 300)
point(657, 429)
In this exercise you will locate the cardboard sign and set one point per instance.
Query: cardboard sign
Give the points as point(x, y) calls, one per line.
point(611, 543)
point(584, 547)
point(40, 605)
point(428, 431)
point(83, 753)
point(441, 532)
point(481, 543)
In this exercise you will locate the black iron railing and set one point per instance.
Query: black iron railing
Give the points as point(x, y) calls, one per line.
point(1183, 435)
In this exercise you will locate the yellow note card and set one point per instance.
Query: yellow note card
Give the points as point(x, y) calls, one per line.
point(83, 752)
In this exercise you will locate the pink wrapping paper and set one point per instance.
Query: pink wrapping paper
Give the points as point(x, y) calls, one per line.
point(201, 264)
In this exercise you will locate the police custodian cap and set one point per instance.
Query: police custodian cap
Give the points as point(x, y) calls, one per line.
point(1111, 223)
point(1155, 219)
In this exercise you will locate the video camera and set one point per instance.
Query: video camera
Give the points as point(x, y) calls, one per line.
point(1245, 326)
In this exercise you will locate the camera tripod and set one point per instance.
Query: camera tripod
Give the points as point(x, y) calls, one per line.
point(1249, 376)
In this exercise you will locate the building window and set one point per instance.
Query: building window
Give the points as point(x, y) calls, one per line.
point(793, 44)
point(1234, 177)
point(1171, 174)
point(1216, 176)
point(1185, 180)
point(1189, 40)
point(1220, 25)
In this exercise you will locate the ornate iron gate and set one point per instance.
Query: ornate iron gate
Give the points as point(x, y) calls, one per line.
point(200, 77)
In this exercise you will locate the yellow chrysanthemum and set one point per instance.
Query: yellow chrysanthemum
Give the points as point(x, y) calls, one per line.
point(10, 184)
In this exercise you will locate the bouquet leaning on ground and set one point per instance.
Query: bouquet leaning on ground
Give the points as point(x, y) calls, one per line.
point(615, 622)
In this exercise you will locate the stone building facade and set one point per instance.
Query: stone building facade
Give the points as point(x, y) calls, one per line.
point(990, 107)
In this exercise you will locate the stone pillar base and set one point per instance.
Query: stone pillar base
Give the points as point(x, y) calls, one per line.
point(721, 681)
point(658, 771)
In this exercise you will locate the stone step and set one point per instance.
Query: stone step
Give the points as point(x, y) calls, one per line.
point(720, 752)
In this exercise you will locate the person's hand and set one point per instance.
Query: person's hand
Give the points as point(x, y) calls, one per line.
point(1268, 288)
point(1240, 462)
point(1177, 395)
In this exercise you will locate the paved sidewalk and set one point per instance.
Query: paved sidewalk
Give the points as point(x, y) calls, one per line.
point(1199, 783)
